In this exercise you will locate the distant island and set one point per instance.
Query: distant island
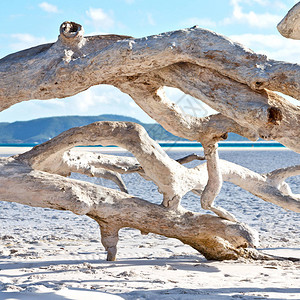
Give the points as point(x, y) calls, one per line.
point(40, 130)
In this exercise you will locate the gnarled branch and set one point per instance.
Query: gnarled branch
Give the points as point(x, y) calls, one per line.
point(213, 237)
point(50, 68)
point(172, 179)
point(230, 78)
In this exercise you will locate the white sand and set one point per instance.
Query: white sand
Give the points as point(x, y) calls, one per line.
point(57, 255)
point(5, 151)
point(149, 267)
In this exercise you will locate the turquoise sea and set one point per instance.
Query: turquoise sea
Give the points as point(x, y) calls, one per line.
point(177, 144)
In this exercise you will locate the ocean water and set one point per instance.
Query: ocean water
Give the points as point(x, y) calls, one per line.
point(182, 144)
point(274, 224)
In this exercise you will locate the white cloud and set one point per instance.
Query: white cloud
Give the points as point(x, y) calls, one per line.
point(280, 5)
point(273, 45)
point(202, 22)
point(150, 19)
point(260, 2)
point(25, 40)
point(87, 101)
point(97, 100)
point(129, 1)
point(50, 8)
point(100, 19)
point(263, 20)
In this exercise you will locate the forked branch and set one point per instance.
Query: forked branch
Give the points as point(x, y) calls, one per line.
point(214, 237)
point(228, 77)
point(172, 179)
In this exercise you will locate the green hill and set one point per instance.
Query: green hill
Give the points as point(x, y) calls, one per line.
point(41, 130)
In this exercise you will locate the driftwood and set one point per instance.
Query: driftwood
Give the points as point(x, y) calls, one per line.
point(233, 80)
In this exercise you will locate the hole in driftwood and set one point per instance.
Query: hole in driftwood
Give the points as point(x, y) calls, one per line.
point(70, 29)
point(274, 115)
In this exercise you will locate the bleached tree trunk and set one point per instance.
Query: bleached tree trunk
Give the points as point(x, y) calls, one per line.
point(235, 81)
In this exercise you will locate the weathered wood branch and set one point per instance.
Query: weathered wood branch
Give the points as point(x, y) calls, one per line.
point(89, 61)
point(92, 171)
point(153, 100)
point(225, 75)
point(172, 179)
point(209, 235)
point(284, 173)
point(246, 112)
point(190, 158)
point(268, 114)
point(270, 187)
point(271, 115)
point(261, 185)
point(214, 182)
point(213, 237)
point(119, 164)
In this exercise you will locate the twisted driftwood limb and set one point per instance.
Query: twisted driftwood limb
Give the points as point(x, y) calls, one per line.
point(270, 116)
point(264, 186)
point(189, 158)
point(152, 99)
point(89, 61)
point(270, 187)
point(214, 237)
point(226, 66)
point(98, 172)
point(214, 183)
point(172, 179)
point(120, 164)
point(228, 77)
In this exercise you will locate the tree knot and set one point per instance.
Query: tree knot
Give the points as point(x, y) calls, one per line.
point(274, 115)
point(71, 34)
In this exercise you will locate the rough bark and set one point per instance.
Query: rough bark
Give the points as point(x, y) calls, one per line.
point(271, 116)
point(90, 61)
point(235, 81)
point(114, 210)
point(24, 180)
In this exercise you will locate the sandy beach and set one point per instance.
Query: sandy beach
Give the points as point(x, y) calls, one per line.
point(47, 254)
point(6, 151)
point(159, 78)
point(148, 267)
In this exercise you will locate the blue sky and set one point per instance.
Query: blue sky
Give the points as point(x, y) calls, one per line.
point(29, 23)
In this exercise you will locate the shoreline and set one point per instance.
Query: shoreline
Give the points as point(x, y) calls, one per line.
point(8, 151)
